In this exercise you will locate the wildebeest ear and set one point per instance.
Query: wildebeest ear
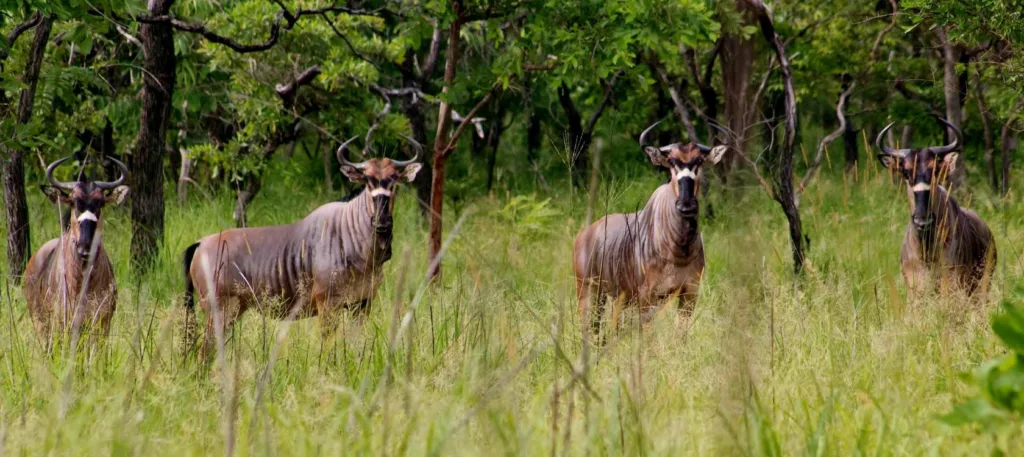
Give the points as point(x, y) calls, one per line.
point(117, 195)
point(409, 173)
point(352, 173)
point(656, 156)
point(54, 194)
point(887, 160)
point(950, 161)
point(717, 153)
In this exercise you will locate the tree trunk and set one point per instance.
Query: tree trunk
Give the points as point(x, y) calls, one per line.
point(986, 123)
point(493, 140)
point(579, 141)
point(534, 137)
point(951, 91)
point(243, 196)
point(736, 61)
point(784, 193)
point(15, 204)
point(850, 145)
point(147, 164)
point(418, 124)
point(444, 119)
point(1008, 142)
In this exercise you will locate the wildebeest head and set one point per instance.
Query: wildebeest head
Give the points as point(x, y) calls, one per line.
point(922, 169)
point(86, 198)
point(684, 161)
point(381, 177)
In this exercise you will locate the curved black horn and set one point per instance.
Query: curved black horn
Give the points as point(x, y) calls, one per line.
point(54, 182)
point(643, 135)
point(110, 185)
point(416, 157)
point(958, 138)
point(342, 155)
point(886, 149)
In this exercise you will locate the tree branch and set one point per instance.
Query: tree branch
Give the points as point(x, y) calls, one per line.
point(19, 29)
point(885, 31)
point(349, 43)
point(592, 122)
point(288, 91)
point(200, 29)
point(826, 140)
point(467, 120)
point(909, 94)
point(674, 92)
point(376, 120)
point(430, 62)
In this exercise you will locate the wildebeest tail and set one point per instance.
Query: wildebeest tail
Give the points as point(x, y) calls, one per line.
point(190, 302)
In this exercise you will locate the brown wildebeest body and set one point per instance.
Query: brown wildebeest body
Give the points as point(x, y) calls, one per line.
point(330, 260)
point(69, 282)
point(943, 241)
point(646, 257)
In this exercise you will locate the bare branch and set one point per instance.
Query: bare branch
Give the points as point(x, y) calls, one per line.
point(892, 23)
point(467, 120)
point(678, 98)
point(200, 29)
point(287, 91)
point(430, 62)
point(840, 106)
point(23, 27)
point(376, 119)
point(909, 94)
point(127, 36)
point(592, 122)
point(349, 43)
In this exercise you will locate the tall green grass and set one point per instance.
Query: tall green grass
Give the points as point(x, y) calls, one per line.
point(836, 362)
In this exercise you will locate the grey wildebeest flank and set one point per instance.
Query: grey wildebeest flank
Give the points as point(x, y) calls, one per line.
point(646, 257)
point(943, 241)
point(69, 282)
point(328, 261)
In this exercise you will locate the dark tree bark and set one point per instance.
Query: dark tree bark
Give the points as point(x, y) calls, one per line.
point(444, 119)
point(850, 146)
point(147, 164)
point(493, 141)
point(737, 58)
point(534, 137)
point(413, 110)
point(581, 135)
point(15, 204)
point(784, 193)
point(986, 123)
point(951, 91)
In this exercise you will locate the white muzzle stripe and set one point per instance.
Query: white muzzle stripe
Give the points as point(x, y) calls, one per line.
point(685, 173)
point(921, 187)
point(379, 191)
point(87, 216)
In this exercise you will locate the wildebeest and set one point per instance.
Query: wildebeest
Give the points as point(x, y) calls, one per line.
point(646, 257)
point(69, 282)
point(944, 241)
point(328, 261)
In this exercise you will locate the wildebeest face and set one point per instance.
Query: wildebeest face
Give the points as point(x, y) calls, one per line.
point(684, 162)
point(86, 200)
point(922, 169)
point(381, 177)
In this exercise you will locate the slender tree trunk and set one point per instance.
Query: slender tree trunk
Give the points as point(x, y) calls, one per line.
point(534, 137)
point(15, 204)
point(579, 141)
point(418, 124)
point(951, 91)
point(736, 62)
point(986, 123)
point(850, 145)
point(444, 120)
point(147, 164)
point(1008, 142)
point(493, 141)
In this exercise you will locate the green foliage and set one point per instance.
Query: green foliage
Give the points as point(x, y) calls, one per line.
point(999, 403)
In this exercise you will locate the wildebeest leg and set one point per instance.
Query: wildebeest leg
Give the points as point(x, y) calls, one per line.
point(230, 309)
point(688, 300)
point(916, 276)
point(590, 303)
